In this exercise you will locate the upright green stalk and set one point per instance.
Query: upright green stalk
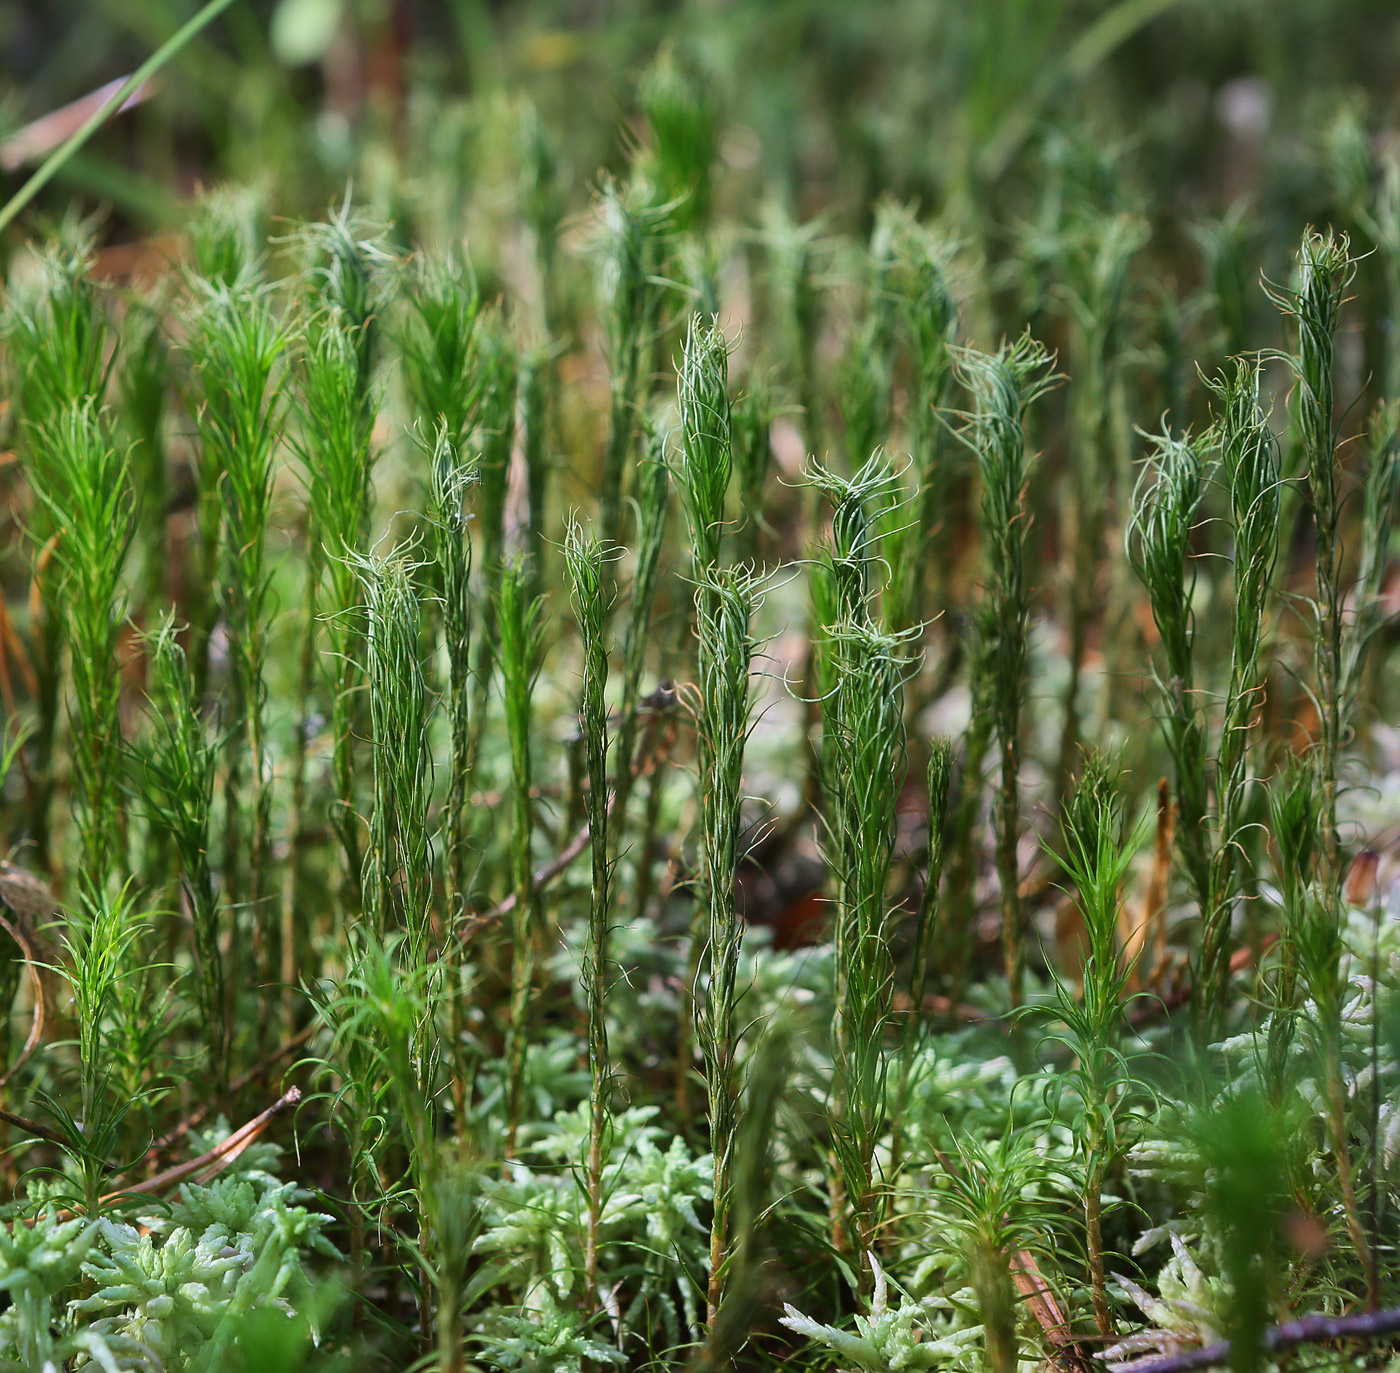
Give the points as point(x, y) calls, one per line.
point(1293, 822)
point(1249, 457)
point(857, 503)
point(440, 342)
point(57, 333)
point(85, 486)
point(1377, 210)
point(143, 381)
point(898, 544)
point(226, 240)
point(940, 772)
point(842, 580)
point(864, 759)
point(496, 437)
point(383, 1016)
point(1225, 245)
point(753, 457)
point(1165, 508)
point(1097, 856)
point(237, 343)
point(1098, 314)
point(707, 462)
point(542, 208)
point(1004, 386)
point(1245, 1173)
point(584, 558)
point(633, 251)
point(931, 322)
point(443, 339)
point(683, 121)
point(1381, 495)
point(177, 766)
point(398, 881)
point(97, 938)
point(452, 478)
point(863, 387)
point(496, 421)
point(520, 647)
point(653, 500)
point(706, 439)
point(334, 446)
point(1320, 949)
point(926, 921)
point(536, 390)
point(348, 275)
point(965, 836)
point(792, 250)
point(227, 235)
point(1325, 269)
point(725, 601)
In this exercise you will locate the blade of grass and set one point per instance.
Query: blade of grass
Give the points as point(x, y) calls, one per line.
point(163, 54)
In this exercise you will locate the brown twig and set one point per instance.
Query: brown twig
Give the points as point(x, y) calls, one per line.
point(211, 1163)
point(234, 1087)
point(31, 1127)
point(1045, 1306)
point(543, 876)
point(1305, 1330)
point(208, 1165)
point(36, 1024)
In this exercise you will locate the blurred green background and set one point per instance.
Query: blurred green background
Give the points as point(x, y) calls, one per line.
point(953, 104)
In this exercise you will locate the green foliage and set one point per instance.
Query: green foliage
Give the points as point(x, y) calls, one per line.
point(1004, 386)
point(684, 127)
point(1247, 1194)
point(584, 559)
point(989, 1080)
point(856, 502)
point(997, 1207)
point(177, 1292)
point(1249, 460)
point(398, 865)
point(337, 411)
point(521, 644)
point(57, 332)
point(451, 480)
point(707, 454)
point(864, 770)
point(940, 773)
point(439, 343)
point(632, 246)
point(907, 1335)
point(236, 346)
point(177, 776)
point(725, 601)
point(85, 485)
point(1325, 269)
point(227, 233)
point(653, 504)
point(1166, 506)
point(1100, 1078)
